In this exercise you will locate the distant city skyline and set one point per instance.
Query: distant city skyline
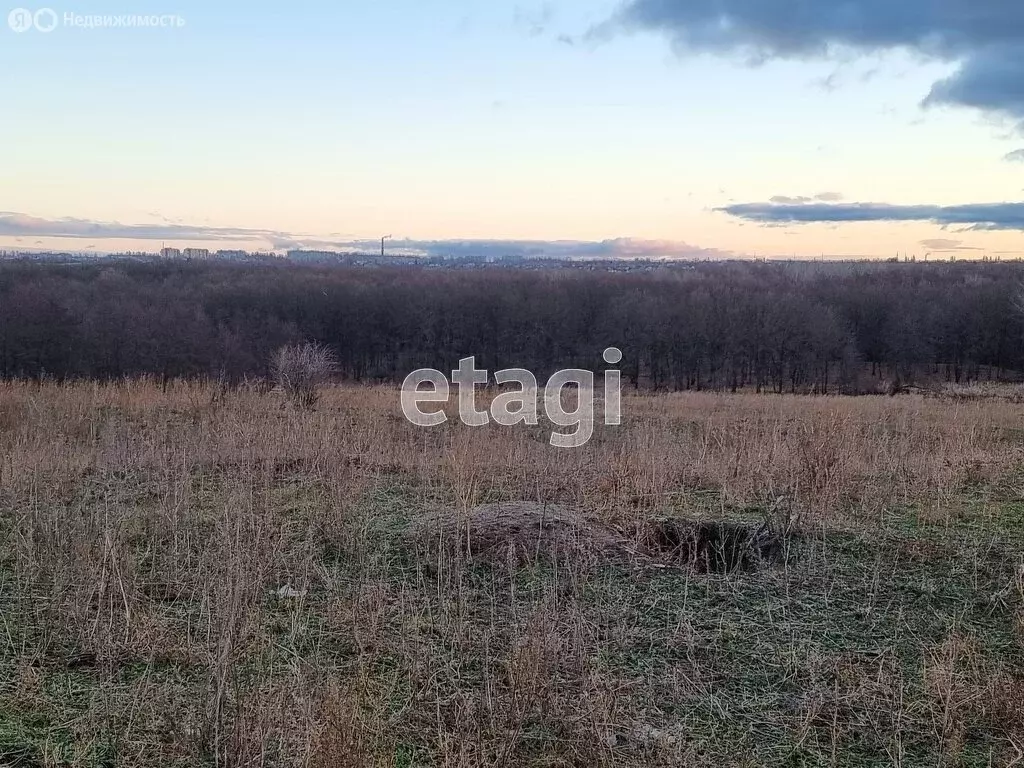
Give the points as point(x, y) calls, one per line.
point(648, 128)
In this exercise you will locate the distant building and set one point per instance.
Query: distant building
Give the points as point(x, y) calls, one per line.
point(197, 253)
point(313, 256)
point(170, 253)
point(222, 254)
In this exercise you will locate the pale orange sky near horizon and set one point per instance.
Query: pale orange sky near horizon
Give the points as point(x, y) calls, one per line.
point(488, 127)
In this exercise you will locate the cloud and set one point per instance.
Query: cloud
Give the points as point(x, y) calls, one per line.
point(786, 200)
point(979, 216)
point(617, 248)
point(990, 80)
point(825, 197)
point(535, 20)
point(986, 37)
point(15, 225)
point(1017, 156)
point(945, 244)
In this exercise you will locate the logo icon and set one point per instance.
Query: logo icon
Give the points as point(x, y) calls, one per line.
point(20, 19)
point(525, 398)
point(45, 20)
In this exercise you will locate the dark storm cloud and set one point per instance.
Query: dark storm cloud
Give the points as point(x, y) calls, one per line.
point(991, 80)
point(985, 36)
point(972, 216)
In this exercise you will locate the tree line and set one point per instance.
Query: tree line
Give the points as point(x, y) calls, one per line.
point(779, 327)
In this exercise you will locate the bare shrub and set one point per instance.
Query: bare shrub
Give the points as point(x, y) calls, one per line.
point(300, 369)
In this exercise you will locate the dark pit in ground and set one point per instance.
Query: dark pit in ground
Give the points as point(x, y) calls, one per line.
point(709, 546)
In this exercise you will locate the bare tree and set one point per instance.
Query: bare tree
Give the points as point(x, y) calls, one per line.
point(300, 369)
point(1018, 300)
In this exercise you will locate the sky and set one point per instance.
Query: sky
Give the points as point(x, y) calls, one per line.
point(679, 128)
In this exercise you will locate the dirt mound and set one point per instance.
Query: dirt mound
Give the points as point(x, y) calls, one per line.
point(521, 531)
point(518, 532)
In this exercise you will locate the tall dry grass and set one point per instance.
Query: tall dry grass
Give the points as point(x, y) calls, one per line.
point(218, 566)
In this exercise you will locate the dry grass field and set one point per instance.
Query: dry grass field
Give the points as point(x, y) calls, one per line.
point(197, 577)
